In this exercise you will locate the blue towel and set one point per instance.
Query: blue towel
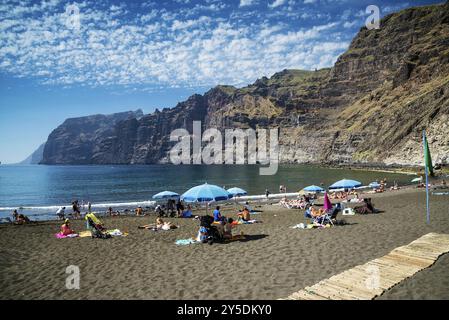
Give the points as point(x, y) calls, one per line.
point(185, 242)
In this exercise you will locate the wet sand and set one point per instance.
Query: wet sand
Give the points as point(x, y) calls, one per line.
point(272, 263)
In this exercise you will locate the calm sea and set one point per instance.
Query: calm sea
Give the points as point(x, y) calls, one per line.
point(40, 190)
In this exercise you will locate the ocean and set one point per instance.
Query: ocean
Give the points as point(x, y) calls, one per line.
point(40, 190)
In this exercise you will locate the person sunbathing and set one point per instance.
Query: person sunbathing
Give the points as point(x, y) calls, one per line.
point(317, 213)
point(65, 229)
point(163, 225)
point(245, 215)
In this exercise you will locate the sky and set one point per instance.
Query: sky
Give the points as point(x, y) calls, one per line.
point(62, 59)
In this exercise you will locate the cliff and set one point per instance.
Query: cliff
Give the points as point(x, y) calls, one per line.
point(79, 140)
point(36, 157)
point(369, 108)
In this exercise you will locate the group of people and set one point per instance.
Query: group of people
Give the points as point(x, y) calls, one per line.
point(76, 210)
point(92, 223)
point(19, 218)
point(294, 204)
point(174, 209)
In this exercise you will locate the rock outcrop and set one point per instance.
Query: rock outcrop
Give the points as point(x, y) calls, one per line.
point(370, 108)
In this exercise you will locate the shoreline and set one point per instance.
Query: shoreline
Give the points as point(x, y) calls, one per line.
point(256, 200)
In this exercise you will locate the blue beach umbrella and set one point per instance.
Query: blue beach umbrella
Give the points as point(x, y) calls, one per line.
point(345, 184)
point(314, 189)
point(237, 192)
point(206, 193)
point(165, 195)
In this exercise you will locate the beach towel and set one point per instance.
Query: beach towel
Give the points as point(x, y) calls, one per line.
point(113, 233)
point(246, 222)
point(186, 242)
point(85, 234)
point(440, 193)
point(116, 233)
point(61, 236)
point(310, 226)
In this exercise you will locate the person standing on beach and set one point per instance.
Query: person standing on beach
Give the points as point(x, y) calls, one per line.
point(15, 215)
point(267, 193)
point(89, 207)
point(179, 208)
point(61, 213)
point(76, 209)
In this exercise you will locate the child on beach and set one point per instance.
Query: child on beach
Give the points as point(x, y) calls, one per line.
point(139, 211)
point(227, 234)
point(15, 215)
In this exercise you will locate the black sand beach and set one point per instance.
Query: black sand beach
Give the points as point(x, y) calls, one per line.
point(272, 263)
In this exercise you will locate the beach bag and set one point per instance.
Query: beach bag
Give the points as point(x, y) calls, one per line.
point(203, 235)
point(97, 234)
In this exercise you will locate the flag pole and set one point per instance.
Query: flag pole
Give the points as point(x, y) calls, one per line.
point(427, 177)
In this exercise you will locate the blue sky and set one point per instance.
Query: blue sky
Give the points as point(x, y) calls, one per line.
point(61, 59)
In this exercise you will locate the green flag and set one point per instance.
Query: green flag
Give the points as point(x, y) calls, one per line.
point(427, 157)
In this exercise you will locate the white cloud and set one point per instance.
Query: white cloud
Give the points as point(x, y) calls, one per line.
point(277, 3)
point(247, 3)
point(156, 47)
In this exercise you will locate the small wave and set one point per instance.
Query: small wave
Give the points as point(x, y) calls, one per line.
point(94, 206)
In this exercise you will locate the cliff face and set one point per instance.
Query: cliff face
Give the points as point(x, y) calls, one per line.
point(36, 157)
point(369, 108)
point(78, 140)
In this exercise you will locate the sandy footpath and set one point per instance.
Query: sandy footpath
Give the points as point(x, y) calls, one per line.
point(272, 263)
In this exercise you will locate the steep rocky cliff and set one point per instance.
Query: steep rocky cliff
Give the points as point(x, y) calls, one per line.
point(369, 108)
point(78, 140)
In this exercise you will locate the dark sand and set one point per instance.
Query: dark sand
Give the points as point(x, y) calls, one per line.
point(275, 262)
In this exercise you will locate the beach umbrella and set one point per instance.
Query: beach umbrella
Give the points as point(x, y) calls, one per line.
point(345, 184)
point(417, 179)
point(165, 195)
point(314, 189)
point(327, 203)
point(374, 185)
point(206, 193)
point(237, 192)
